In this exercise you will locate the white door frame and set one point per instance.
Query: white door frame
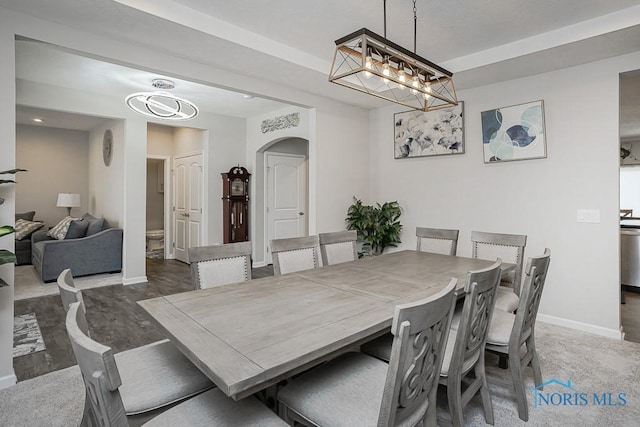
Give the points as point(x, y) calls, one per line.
point(203, 186)
point(265, 181)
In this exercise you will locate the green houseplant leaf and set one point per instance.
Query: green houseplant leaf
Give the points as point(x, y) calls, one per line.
point(6, 229)
point(377, 226)
point(7, 257)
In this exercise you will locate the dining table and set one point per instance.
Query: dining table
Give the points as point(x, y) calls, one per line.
point(250, 335)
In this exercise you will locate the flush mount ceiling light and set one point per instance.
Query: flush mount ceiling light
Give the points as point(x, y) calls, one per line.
point(162, 105)
point(369, 63)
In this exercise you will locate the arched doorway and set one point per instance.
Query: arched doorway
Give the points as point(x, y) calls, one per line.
point(282, 173)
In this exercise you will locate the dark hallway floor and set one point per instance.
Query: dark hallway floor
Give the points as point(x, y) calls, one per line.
point(113, 315)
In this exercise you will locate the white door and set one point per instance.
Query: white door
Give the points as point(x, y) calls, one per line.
point(286, 197)
point(188, 204)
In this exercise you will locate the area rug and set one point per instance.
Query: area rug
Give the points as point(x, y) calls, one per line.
point(29, 285)
point(27, 337)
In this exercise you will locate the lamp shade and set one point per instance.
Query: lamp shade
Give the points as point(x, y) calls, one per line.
point(68, 200)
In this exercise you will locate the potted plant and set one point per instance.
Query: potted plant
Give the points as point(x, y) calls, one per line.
point(6, 256)
point(378, 226)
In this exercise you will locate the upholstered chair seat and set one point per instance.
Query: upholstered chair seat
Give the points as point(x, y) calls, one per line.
point(156, 375)
point(356, 389)
point(346, 391)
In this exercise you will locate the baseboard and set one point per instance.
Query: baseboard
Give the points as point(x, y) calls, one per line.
point(8, 381)
point(581, 326)
point(134, 280)
point(259, 264)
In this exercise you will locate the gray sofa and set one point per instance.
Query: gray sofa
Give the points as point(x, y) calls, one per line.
point(98, 253)
point(23, 247)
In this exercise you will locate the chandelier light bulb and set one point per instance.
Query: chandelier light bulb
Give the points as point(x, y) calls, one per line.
point(402, 76)
point(415, 84)
point(386, 73)
point(368, 63)
point(427, 93)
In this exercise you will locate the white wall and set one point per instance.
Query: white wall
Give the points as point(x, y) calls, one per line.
point(7, 192)
point(538, 198)
point(630, 188)
point(57, 162)
point(106, 183)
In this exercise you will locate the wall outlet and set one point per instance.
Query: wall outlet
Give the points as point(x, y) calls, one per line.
point(589, 215)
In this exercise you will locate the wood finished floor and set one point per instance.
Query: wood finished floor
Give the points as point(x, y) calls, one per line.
point(113, 315)
point(630, 316)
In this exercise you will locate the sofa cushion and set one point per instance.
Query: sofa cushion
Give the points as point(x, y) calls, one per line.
point(59, 231)
point(25, 228)
point(96, 225)
point(77, 229)
point(26, 215)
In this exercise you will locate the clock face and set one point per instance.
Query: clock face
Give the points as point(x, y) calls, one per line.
point(237, 187)
point(107, 147)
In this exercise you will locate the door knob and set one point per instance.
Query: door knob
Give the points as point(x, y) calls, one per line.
point(300, 213)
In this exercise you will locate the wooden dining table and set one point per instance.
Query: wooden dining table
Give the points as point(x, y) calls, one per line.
point(250, 335)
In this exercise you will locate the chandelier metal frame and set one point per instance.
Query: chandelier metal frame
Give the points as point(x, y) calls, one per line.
point(370, 63)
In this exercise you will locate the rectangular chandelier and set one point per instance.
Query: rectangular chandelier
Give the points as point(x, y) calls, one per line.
point(369, 63)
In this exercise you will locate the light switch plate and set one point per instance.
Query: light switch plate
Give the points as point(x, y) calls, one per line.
point(589, 215)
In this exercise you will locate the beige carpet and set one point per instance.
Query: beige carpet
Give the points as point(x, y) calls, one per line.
point(29, 285)
point(592, 363)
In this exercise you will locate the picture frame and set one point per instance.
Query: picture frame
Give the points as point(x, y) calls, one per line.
point(516, 132)
point(433, 133)
point(630, 153)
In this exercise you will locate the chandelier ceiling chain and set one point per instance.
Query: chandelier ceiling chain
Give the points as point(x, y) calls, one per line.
point(401, 76)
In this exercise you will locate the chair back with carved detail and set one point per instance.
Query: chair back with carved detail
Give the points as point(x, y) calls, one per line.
point(508, 247)
point(437, 240)
point(70, 294)
point(294, 254)
point(535, 277)
point(338, 247)
point(219, 265)
point(99, 373)
point(467, 357)
point(420, 330)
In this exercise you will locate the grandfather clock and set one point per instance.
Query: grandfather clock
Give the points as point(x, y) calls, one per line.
point(235, 204)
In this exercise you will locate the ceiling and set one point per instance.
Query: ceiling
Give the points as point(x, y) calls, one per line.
point(290, 42)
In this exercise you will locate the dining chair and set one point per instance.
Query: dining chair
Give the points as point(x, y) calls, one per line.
point(510, 248)
point(464, 354)
point(106, 396)
point(218, 265)
point(156, 375)
point(338, 247)
point(514, 334)
point(437, 240)
point(294, 254)
point(466, 346)
point(356, 389)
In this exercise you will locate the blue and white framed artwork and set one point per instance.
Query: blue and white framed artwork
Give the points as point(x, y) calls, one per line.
point(514, 133)
point(432, 133)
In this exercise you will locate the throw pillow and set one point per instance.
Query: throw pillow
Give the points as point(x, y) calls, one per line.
point(26, 215)
point(59, 231)
point(96, 225)
point(77, 229)
point(25, 228)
